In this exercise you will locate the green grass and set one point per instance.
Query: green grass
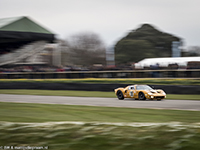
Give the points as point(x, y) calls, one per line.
point(183, 96)
point(87, 94)
point(60, 93)
point(155, 81)
point(24, 112)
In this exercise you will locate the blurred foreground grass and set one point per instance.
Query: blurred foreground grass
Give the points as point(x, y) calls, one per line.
point(87, 94)
point(155, 81)
point(91, 136)
point(86, 129)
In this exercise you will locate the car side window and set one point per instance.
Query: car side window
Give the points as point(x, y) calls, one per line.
point(131, 88)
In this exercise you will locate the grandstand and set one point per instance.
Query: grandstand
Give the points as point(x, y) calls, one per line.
point(21, 40)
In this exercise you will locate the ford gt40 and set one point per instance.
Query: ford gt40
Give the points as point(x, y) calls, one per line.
point(141, 92)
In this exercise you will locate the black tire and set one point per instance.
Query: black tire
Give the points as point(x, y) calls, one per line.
point(120, 95)
point(141, 96)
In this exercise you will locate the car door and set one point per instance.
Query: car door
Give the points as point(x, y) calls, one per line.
point(131, 92)
point(136, 92)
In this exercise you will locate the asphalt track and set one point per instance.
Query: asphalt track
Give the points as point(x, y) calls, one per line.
point(106, 102)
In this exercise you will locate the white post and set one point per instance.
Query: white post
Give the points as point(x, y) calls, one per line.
point(56, 54)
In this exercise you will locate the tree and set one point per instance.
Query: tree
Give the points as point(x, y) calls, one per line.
point(86, 49)
point(133, 50)
point(193, 51)
point(144, 42)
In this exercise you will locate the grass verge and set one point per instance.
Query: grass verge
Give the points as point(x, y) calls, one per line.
point(24, 112)
point(87, 94)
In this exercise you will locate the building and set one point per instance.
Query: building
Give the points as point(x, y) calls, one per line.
point(21, 40)
point(165, 62)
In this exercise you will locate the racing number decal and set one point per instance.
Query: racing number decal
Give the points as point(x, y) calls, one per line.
point(131, 93)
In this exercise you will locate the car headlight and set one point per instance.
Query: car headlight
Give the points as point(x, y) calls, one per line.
point(150, 93)
point(164, 93)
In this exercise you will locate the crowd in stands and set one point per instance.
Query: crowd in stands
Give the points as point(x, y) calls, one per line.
point(39, 69)
point(30, 68)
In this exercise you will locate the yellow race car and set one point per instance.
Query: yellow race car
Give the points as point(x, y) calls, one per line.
point(141, 92)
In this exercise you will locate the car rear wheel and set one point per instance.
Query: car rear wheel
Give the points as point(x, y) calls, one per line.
point(120, 95)
point(142, 96)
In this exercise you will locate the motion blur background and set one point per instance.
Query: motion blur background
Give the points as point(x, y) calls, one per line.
point(99, 36)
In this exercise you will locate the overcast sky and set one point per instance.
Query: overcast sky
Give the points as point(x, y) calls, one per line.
point(111, 19)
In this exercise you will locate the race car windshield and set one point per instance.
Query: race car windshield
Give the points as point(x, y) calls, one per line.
point(143, 87)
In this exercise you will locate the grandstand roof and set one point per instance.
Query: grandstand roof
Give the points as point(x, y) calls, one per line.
point(18, 31)
point(21, 24)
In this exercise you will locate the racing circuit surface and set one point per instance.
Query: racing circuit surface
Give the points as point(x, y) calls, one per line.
point(105, 102)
